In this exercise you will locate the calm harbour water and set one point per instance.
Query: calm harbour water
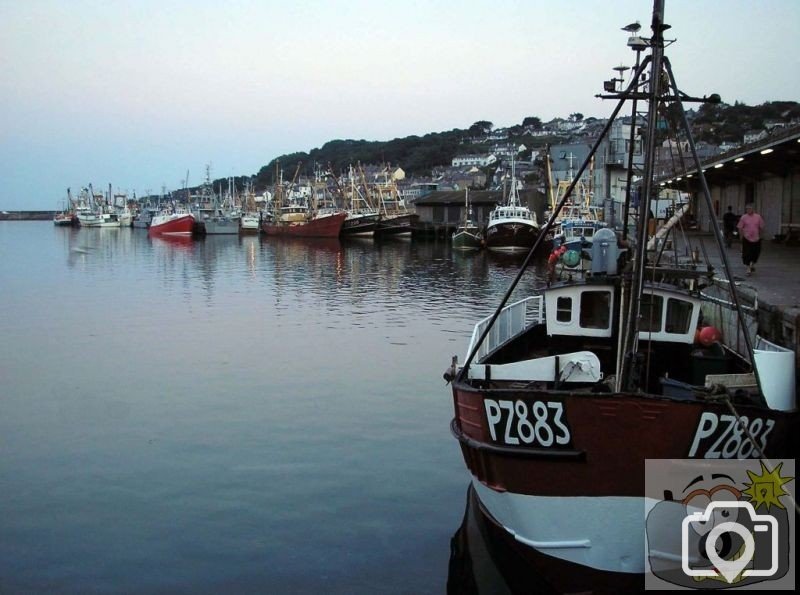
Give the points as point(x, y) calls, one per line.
point(238, 414)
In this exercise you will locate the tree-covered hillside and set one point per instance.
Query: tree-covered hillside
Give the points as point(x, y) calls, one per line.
point(418, 155)
point(415, 154)
point(724, 123)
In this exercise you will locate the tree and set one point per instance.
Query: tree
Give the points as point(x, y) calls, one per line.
point(481, 127)
point(533, 121)
point(576, 117)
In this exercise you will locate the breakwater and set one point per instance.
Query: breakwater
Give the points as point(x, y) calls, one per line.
point(26, 215)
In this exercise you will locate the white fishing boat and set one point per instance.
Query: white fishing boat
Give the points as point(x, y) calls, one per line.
point(512, 226)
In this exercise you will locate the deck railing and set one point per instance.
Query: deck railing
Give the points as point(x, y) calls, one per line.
point(513, 320)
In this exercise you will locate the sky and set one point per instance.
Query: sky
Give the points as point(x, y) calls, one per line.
point(137, 93)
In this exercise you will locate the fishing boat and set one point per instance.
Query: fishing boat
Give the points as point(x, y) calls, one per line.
point(362, 216)
point(395, 219)
point(467, 235)
point(63, 219)
point(213, 216)
point(579, 219)
point(144, 217)
point(512, 226)
point(295, 220)
point(576, 232)
point(222, 221)
point(172, 221)
point(250, 222)
point(124, 216)
point(564, 394)
point(293, 216)
point(65, 216)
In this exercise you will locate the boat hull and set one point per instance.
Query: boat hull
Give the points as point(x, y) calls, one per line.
point(514, 236)
point(467, 240)
point(329, 226)
point(221, 226)
point(249, 224)
point(394, 226)
point(360, 225)
point(589, 513)
point(177, 226)
point(64, 220)
point(525, 569)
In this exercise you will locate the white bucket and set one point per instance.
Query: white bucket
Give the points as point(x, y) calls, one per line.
point(776, 372)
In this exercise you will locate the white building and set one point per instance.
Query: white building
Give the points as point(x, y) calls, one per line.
point(477, 160)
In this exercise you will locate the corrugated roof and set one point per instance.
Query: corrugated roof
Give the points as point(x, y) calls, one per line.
point(476, 197)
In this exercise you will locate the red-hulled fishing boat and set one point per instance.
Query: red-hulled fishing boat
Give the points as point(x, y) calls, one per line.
point(172, 221)
point(318, 226)
point(293, 214)
point(564, 394)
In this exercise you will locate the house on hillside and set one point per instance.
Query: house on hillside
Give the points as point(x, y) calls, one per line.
point(753, 136)
point(473, 160)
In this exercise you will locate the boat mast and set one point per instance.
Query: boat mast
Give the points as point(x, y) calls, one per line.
point(277, 200)
point(513, 194)
point(627, 379)
point(551, 199)
point(467, 211)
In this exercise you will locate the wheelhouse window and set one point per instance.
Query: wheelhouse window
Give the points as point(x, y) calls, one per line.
point(595, 309)
point(679, 316)
point(564, 309)
point(650, 309)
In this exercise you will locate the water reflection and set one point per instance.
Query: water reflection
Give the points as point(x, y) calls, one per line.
point(271, 407)
point(328, 269)
point(484, 562)
point(178, 242)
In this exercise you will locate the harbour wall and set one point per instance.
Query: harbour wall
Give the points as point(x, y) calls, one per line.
point(26, 215)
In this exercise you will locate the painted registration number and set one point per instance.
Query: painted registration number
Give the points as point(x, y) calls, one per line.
point(527, 423)
point(723, 437)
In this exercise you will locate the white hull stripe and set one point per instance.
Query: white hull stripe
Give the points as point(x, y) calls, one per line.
point(604, 533)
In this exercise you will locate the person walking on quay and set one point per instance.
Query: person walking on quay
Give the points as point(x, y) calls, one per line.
point(750, 226)
point(729, 221)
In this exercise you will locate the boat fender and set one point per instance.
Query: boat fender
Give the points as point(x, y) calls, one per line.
point(555, 255)
point(708, 335)
point(571, 258)
point(450, 373)
point(552, 260)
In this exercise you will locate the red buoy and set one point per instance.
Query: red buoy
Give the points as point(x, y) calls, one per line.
point(708, 335)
